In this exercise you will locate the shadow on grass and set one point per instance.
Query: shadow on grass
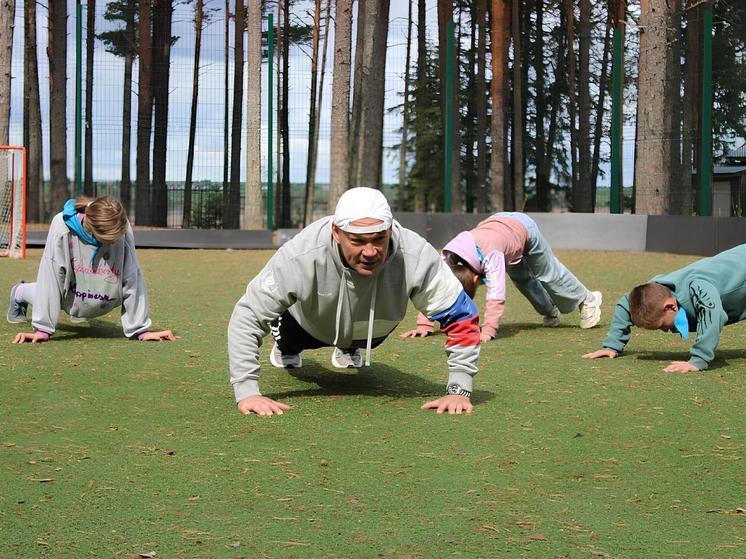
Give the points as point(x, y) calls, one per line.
point(377, 380)
point(720, 361)
point(89, 329)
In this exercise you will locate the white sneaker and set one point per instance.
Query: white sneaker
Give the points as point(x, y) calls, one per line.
point(16, 311)
point(590, 310)
point(552, 320)
point(281, 361)
point(342, 359)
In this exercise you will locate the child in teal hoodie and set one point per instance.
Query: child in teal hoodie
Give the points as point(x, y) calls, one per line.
point(701, 297)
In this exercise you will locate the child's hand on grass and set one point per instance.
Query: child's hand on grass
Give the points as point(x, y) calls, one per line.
point(419, 332)
point(681, 367)
point(452, 404)
point(605, 352)
point(261, 405)
point(33, 337)
point(158, 336)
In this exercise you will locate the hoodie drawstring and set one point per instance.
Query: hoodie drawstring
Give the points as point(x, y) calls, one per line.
point(371, 316)
point(340, 296)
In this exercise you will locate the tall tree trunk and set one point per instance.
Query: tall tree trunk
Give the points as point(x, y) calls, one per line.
point(320, 102)
point(403, 146)
point(162, 15)
point(144, 114)
point(226, 99)
point(186, 220)
point(482, 198)
point(285, 220)
point(420, 107)
point(125, 186)
point(253, 201)
point(573, 102)
point(445, 14)
point(340, 111)
point(280, 134)
point(542, 186)
point(517, 128)
point(231, 202)
point(7, 20)
point(603, 86)
point(656, 147)
point(545, 158)
point(469, 131)
point(57, 51)
point(308, 199)
point(32, 136)
point(90, 46)
point(500, 40)
point(367, 137)
point(692, 103)
point(582, 201)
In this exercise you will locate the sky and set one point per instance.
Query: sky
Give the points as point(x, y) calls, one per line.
point(107, 98)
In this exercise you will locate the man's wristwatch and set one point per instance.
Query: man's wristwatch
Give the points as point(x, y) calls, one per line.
point(456, 390)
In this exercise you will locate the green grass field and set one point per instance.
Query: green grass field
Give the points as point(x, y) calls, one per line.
point(116, 448)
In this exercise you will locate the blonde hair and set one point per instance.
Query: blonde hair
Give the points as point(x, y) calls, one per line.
point(646, 304)
point(105, 217)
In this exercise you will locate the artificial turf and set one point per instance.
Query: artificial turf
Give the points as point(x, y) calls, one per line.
point(116, 448)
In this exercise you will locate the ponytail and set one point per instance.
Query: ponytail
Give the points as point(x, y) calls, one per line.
point(105, 217)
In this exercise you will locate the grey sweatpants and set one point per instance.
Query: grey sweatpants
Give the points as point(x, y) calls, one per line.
point(540, 276)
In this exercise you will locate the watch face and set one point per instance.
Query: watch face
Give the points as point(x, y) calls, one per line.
point(454, 389)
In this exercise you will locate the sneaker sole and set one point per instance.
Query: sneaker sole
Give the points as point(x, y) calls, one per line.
point(13, 319)
point(280, 365)
point(596, 318)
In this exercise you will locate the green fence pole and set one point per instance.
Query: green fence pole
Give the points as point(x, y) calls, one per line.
point(78, 98)
point(270, 131)
point(617, 99)
point(705, 160)
point(448, 124)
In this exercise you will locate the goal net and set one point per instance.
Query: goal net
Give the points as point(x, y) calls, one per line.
point(12, 202)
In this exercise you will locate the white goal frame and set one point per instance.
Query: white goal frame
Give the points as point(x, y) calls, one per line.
point(13, 201)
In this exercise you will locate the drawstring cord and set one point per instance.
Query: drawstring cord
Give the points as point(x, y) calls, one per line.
point(371, 316)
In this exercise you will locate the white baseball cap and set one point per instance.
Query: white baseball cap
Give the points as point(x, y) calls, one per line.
point(361, 203)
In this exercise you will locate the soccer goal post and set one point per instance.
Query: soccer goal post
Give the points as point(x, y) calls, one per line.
point(12, 202)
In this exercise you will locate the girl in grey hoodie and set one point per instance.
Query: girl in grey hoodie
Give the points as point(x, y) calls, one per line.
point(88, 268)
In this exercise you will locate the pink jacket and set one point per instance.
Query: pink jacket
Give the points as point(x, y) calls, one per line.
point(492, 245)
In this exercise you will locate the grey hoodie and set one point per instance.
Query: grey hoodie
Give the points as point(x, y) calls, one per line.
point(307, 277)
point(69, 281)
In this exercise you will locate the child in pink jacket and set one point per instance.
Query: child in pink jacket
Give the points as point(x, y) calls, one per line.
point(510, 242)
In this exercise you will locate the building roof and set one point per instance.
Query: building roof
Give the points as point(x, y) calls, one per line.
point(737, 153)
point(728, 169)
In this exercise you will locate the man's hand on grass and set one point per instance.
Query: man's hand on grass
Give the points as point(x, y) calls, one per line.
point(452, 404)
point(261, 405)
point(681, 367)
point(605, 352)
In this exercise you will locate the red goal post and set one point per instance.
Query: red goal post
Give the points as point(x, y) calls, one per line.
point(13, 201)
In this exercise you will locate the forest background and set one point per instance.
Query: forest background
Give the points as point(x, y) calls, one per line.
point(359, 97)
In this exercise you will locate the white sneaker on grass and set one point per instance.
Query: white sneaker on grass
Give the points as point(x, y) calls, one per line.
point(552, 320)
point(590, 310)
point(16, 310)
point(342, 359)
point(282, 361)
